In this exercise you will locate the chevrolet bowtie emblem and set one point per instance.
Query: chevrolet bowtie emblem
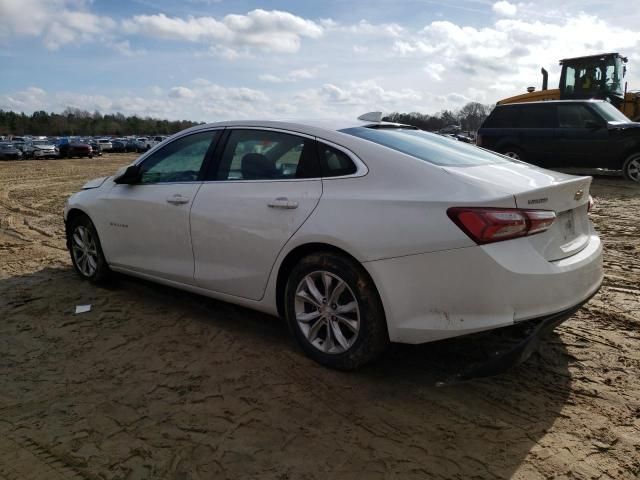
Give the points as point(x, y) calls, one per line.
point(578, 195)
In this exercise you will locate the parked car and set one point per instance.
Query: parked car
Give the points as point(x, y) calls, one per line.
point(19, 144)
point(357, 232)
point(141, 143)
point(75, 149)
point(95, 147)
point(105, 144)
point(41, 149)
point(9, 152)
point(119, 145)
point(132, 145)
point(568, 133)
point(149, 143)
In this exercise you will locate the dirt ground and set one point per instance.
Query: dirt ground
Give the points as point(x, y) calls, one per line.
point(158, 383)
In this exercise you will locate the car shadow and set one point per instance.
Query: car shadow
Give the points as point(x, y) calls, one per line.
point(388, 418)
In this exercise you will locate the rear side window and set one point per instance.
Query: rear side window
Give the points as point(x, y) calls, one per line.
point(536, 116)
point(429, 147)
point(333, 162)
point(502, 117)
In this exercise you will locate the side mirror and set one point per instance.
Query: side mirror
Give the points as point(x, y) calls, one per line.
point(592, 125)
point(131, 176)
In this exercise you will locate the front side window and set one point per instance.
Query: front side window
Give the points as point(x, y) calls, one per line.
point(267, 155)
point(179, 161)
point(575, 116)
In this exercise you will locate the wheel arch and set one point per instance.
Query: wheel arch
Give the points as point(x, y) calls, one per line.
point(635, 149)
point(72, 214)
point(301, 251)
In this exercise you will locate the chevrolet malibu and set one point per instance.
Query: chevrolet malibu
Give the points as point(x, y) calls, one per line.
point(359, 233)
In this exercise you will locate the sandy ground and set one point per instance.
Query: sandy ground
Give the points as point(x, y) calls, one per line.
point(158, 383)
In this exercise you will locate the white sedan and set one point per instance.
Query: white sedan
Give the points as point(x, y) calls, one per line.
point(359, 233)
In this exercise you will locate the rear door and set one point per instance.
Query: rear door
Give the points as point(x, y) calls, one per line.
point(264, 186)
point(147, 227)
point(584, 137)
point(537, 132)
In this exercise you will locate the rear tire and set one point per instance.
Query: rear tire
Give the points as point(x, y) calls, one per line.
point(86, 251)
point(334, 311)
point(514, 153)
point(631, 167)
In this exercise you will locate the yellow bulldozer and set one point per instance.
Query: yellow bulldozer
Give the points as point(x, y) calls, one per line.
point(594, 76)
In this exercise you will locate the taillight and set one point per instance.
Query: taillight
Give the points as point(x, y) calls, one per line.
point(487, 225)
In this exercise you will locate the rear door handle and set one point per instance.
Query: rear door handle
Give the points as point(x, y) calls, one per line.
point(283, 202)
point(177, 199)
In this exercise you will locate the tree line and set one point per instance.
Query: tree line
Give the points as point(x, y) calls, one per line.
point(468, 118)
point(73, 121)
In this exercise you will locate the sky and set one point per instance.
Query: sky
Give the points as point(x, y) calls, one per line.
point(209, 60)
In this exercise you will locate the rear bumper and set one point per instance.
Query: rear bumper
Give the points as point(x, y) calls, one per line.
point(526, 337)
point(446, 294)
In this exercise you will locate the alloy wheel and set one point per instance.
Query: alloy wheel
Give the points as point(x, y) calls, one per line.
point(633, 169)
point(85, 251)
point(327, 312)
point(513, 155)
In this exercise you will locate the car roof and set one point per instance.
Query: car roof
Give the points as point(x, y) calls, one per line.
point(546, 102)
point(326, 124)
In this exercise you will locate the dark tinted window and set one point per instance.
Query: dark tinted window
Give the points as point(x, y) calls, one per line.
point(502, 117)
point(575, 116)
point(536, 116)
point(179, 161)
point(267, 155)
point(333, 162)
point(426, 146)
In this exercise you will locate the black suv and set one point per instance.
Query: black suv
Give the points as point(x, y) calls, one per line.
point(565, 133)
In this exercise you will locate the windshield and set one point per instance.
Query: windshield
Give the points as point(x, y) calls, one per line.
point(610, 113)
point(594, 77)
point(426, 146)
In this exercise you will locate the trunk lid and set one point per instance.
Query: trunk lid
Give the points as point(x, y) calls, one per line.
point(539, 189)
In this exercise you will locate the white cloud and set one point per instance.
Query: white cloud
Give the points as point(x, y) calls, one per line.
point(270, 31)
point(58, 22)
point(506, 57)
point(505, 9)
point(363, 27)
point(181, 92)
point(291, 76)
point(360, 93)
point(28, 100)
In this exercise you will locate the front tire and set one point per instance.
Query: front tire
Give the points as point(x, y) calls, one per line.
point(334, 311)
point(86, 252)
point(631, 167)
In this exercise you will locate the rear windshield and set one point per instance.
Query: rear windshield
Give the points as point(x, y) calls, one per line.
point(426, 146)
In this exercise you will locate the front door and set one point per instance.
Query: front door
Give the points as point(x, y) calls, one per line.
point(584, 137)
point(147, 228)
point(264, 188)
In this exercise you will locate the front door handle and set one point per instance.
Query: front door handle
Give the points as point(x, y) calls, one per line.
point(177, 199)
point(283, 202)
